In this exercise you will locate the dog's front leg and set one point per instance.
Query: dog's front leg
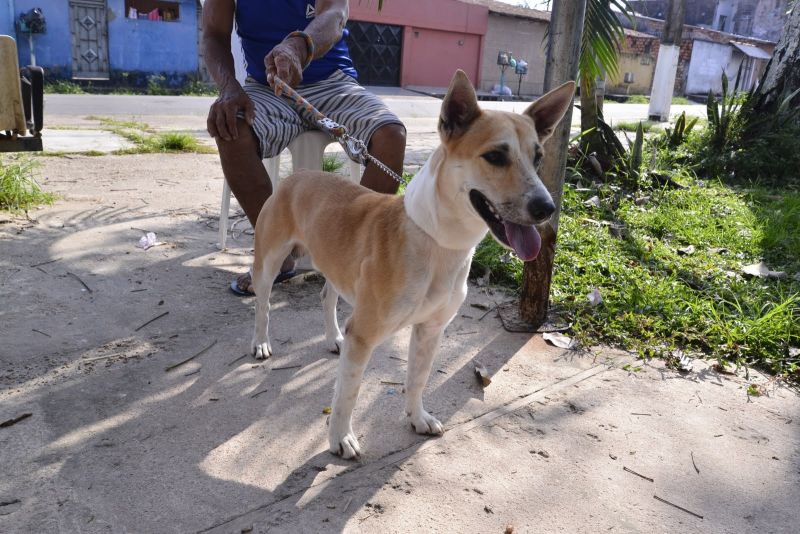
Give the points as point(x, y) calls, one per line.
point(352, 362)
point(425, 338)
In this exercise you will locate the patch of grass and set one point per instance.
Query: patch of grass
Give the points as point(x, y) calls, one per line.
point(642, 99)
point(18, 187)
point(631, 126)
point(331, 163)
point(173, 142)
point(63, 87)
point(656, 298)
point(111, 122)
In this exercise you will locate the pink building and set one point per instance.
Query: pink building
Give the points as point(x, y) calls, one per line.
point(416, 42)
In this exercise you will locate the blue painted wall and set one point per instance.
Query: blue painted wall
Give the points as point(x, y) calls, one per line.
point(151, 46)
point(133, 45)
point(53, 49)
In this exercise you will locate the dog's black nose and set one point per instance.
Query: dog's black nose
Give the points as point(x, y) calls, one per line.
point(541, 208)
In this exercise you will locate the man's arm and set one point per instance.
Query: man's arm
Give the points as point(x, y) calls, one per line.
point(286, 60)
point(218, 16)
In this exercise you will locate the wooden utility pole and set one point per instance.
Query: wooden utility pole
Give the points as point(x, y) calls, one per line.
point(667, 63)
point(563, 54)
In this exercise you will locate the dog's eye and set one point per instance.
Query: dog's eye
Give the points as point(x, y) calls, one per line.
point(496, 158)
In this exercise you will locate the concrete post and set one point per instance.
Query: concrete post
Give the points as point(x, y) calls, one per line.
point(667, 62)
point(563, 54)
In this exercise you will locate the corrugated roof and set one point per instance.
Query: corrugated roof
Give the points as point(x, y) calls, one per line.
point(752, 51)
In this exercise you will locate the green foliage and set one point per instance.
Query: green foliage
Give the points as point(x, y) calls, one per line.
point(637, 99)
point(656, 298)
point(198, 88)
point(681, 101)
point(331, 163)
point(18, 187)
point(63, 87)
point(724, 115)
point(677, 135)
point(602, 37)
point(631, 126)
point(156, 85)
point(741, 145)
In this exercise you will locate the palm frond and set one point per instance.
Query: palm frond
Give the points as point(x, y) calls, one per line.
point(603, 35)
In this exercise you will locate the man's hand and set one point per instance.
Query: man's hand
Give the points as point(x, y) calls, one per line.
point(286, 62)
point(222, 115)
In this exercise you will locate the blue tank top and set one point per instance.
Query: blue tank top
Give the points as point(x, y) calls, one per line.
point(262, 24)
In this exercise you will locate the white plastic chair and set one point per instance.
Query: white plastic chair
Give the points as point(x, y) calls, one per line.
point(307, 150)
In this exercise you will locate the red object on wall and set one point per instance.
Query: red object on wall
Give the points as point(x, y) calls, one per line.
point(439, 36)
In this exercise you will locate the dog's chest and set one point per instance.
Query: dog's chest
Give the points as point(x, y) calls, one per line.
point(441, 292)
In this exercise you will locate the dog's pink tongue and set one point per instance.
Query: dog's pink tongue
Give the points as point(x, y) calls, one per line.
point(525, 240)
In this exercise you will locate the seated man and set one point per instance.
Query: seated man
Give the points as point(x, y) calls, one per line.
point(303, 43)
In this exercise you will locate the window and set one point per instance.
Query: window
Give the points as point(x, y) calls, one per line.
point(159, 10)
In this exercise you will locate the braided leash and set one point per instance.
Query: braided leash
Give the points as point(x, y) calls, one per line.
point(354, 148)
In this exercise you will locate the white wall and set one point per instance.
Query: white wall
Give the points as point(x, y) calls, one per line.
point(706, 66)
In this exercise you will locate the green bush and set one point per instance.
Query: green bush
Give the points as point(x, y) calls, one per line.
point(18, 187)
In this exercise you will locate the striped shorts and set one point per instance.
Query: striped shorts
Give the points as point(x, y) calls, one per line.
point(339, 97)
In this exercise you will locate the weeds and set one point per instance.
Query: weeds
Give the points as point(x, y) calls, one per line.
point(667, 242)
point(630, 126)
point(18, 187)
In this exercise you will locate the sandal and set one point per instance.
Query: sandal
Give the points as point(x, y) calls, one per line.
point(282, 277)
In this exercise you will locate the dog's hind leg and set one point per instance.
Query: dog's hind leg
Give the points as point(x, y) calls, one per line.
point(425, 338)
point(356, 351)
point(333, 336)
point(266, 266)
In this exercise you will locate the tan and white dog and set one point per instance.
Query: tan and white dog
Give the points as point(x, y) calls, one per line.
point(403, 261)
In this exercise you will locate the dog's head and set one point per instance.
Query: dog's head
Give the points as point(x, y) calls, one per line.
point(496, 156)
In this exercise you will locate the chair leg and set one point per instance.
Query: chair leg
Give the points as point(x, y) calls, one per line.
point(223, 213)
point(355, 171)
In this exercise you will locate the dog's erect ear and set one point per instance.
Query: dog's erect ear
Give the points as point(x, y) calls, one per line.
point(460, 106)
point(548, 111)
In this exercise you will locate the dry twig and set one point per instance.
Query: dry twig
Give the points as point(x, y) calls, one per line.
point(190, 358)
point(150, 321)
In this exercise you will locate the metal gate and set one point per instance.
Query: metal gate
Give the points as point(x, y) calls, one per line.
point(89, 29)
point(376, 51)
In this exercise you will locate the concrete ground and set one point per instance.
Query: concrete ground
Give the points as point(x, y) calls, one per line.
point(120, 441)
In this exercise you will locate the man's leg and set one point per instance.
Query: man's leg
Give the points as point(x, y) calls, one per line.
point(244, 171)
point(388, 145)
point(248, 179)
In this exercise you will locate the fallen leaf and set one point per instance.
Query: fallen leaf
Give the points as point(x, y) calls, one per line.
point(594, 201)
point(761, 270)
point(559, 340)
point(327, 410)
point(595, 297)
point(718, 250)
point(686, 251)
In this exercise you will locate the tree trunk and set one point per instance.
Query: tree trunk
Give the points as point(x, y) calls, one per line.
point(563, 52)
point(782, 75)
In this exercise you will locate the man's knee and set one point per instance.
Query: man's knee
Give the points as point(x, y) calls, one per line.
point(390, 136)
point(244, 143)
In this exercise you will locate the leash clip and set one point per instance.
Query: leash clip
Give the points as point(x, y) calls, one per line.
point(355, 148)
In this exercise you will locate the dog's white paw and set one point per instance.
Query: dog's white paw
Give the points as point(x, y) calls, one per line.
point(261, 351)
point(345, 445)
point(425, 423)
